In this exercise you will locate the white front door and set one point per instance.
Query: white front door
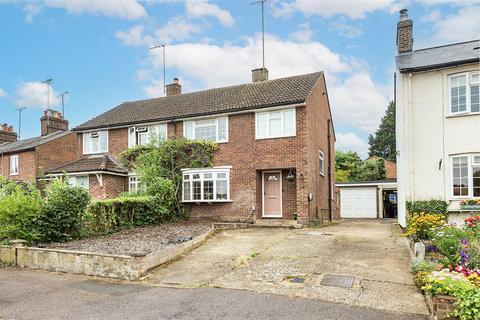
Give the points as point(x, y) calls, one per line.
point(358, 202)
point(272, 194)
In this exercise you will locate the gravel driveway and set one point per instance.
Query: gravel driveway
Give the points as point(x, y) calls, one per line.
point(138, 240)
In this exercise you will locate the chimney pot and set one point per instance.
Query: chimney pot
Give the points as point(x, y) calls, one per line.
point(52, 121)
point(174, 88)
point(260, 74)
point(404, 32)
point(7, 134)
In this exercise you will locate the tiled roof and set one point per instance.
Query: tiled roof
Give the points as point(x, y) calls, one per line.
point(27, 144)
point(227, 99)
point(437, 57)
point(91, 163)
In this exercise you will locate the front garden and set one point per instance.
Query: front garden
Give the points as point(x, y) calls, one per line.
point(450, 273)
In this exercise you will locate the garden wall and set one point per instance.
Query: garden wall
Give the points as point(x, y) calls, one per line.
point(95, 264)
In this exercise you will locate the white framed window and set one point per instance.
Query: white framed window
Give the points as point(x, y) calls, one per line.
point(213, 129)
point(14, 165)
point(465, 175)
point(95, 142)
point(206, 185)
point(135, 185)
point(79, 181)
point(321, 163)
point(142, 135)
point(275, 124)
point(464, 93)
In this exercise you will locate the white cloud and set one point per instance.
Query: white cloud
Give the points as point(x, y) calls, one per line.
point(2, 93)
point(432, 16)
point(34, 94)
point(201, 8)
point(461, 26)
point(344, 29)
point(31, 10)
point(355, 9)
point(358, 101)
point(133, 37)
point(351, 142)
point(304, 34)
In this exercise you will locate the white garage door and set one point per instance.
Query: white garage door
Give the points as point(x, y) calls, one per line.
point(358, 202)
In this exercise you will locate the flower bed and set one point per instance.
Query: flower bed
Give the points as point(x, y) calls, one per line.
point(450, 273)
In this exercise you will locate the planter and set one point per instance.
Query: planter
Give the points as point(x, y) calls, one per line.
point(440, 306)
point(474, 207)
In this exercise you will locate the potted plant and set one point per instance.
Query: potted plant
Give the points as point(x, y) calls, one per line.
point(470, 204)
point(290, 176)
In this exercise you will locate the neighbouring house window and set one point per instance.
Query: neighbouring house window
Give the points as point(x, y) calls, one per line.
point(142, 135)
point(206, 185)
point(466, 176)
point(464, 93)
point(321, 163)
point(14, 165)
point(274, 124)
point(79, 181)
point(95, 142)
point(135, 185)
point(209, 129)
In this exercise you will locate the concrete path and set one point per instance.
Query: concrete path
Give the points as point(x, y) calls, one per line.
point(40, 295)
point(267, 261)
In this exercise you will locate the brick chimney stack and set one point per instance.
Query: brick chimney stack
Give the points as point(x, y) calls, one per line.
point(174, 88)
point(52, 121)
point(7, 134)
point(404, 32)
point(260, 74)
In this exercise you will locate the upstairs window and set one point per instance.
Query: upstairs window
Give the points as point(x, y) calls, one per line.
point(14, 165)
point(466, 176)
point(95, 142)
point(142, 135)
point(206, 185)
point(215, 130)
point(275, 124)
point(464, 93)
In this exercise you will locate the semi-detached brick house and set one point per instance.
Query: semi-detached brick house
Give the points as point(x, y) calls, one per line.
point(28, 159)
point(275, 156)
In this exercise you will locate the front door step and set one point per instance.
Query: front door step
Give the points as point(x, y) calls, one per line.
point(276, 223)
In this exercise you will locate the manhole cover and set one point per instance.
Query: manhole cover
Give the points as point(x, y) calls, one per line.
point(297, 280)
point(333, 280)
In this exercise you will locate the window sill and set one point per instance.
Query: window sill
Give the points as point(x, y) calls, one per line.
point(206, 201)
point(280, 137)
point(13, 174)
point(90, 153)
point(466, 114)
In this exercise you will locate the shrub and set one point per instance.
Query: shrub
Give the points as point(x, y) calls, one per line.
point(446, 282)
point(468, 304)
point(20, 207)
point(420, 226)
point(111, 215)
point(447, 240)
point(431, 206)
point(65, 205)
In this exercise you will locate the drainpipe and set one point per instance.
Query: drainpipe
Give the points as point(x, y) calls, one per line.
point(330, 198)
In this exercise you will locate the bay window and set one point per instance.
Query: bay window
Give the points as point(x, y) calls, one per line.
point(135, 185)
point(274, 124)
point(464, 93)
point(206, 185)
point(144, 134)
point(466, 175)
point(79, 181)
point(215, 129)
point(95, 142)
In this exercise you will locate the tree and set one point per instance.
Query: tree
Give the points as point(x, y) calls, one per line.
point(382, 143)
point(373, 169)
point(347, 166)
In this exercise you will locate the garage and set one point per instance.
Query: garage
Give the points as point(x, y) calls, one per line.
point(368, 199)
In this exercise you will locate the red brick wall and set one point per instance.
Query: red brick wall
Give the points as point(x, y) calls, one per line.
point(112, 186)
point(26, 166)
point(57, 152)
point(117, 141)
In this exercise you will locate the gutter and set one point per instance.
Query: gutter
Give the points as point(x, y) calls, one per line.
point(439, 66)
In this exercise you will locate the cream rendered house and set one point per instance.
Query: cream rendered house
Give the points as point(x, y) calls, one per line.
point(437, 121)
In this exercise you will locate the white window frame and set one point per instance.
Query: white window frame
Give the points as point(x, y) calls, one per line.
point(470, 165)
point(321, 163)
point(282, 116)
point(87, 135)
point(133, 139)
point(138, 185)
point(14, 164)
point(72, 180)
point(202, 171)
point(194, 125)
point(468, 85)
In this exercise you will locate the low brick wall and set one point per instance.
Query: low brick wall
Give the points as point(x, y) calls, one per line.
point(95, 264)
point(440, 306)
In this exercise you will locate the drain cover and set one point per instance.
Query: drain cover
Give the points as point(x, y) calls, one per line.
point(297, 280)
point(333, 280)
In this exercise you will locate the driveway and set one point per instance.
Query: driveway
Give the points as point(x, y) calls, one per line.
point(295, 262)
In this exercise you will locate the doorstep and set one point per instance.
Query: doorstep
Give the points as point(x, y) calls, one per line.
point(276, 223)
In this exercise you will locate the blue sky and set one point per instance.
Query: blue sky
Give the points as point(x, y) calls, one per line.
point(99, 51)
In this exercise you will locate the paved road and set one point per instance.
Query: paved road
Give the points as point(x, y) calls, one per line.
point(42, 295)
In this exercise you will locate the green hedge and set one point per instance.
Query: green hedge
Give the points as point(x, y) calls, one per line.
point(111, 215)
point(433, 206)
